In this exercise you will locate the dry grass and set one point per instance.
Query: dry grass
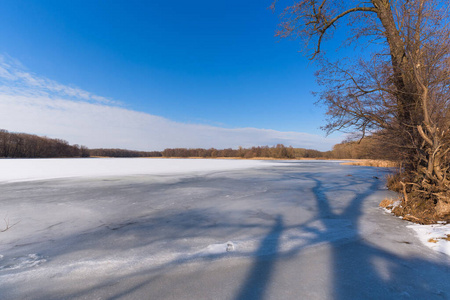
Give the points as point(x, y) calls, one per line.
point(372, 163)
point(393, 182)
point(387, 203)
point(435, 240)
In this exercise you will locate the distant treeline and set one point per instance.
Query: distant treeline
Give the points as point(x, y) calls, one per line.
point(367, 148)
point(123, 153)
point(278, 151)
point(22, 145)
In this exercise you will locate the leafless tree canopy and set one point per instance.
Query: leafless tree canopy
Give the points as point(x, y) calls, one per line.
point(396, 83)
point(123, 153)
point(22, 145)
point(278, 151)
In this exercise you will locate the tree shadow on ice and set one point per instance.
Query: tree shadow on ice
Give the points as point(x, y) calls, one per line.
point(362, 270)
point(262, 270)
point(260, 274)
point(359, 269)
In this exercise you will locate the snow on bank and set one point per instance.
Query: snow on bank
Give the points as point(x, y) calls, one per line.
point(14, 170)
point(436, 237)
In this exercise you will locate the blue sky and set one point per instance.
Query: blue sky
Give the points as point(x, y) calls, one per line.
point(208, 65)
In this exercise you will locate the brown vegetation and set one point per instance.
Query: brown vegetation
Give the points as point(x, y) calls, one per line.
point(387, 203)
point(435, 240)
point(393, 182)
point(373, 163)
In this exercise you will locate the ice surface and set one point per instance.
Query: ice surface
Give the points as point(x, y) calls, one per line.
point(27, 261)
point(206, 229)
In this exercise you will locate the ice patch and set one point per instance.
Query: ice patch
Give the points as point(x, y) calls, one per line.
point(22, 262)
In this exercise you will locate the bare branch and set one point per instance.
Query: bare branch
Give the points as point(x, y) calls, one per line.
point(7, 225)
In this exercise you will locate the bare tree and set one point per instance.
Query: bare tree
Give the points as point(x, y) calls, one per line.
point(397, 85)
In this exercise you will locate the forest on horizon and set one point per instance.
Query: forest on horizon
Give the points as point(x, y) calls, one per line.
point(23, 145)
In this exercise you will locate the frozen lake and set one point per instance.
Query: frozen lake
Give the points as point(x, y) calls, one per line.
point(206, 229)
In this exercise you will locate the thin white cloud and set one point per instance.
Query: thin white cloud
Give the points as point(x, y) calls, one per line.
point(32, 104)
point(14, 76)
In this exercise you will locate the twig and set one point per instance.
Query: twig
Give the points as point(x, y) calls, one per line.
point(7, 226)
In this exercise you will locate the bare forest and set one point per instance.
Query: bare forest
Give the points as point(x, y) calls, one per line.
point(22, 145)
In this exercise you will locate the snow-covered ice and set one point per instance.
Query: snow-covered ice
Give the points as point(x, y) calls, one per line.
point(207, 229)
point(436, 236)
point(13, 170)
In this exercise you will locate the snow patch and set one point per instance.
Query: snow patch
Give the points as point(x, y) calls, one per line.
point(215, 249)
point(434, 236)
